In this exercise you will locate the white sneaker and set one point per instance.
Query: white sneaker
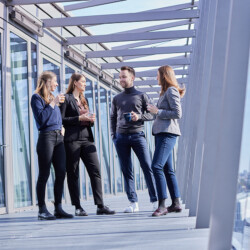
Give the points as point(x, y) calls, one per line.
point(132, 208)
point(154, 205)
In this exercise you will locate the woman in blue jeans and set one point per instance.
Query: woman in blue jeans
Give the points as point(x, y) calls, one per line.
point(166, 129)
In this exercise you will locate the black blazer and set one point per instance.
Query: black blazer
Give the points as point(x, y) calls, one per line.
point(70, 119)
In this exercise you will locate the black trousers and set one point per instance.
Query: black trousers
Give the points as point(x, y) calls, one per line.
point(85, 150)
point(50, 150)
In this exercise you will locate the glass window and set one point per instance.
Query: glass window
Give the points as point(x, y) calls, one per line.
point(34, 84)
point(117, 170)
point(2, 191)
point(89, 96)
point(20, 121)
point(49, 66)
point(105, 140)
point(241, 235)
point(68, 72)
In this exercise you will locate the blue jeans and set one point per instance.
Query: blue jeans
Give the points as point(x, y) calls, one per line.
point(163, 164)
point(136, 141)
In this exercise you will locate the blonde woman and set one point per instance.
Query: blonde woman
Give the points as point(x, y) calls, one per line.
point(50, 147)
point(166, 130)
point(79, 143)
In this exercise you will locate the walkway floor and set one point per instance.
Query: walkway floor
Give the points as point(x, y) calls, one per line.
point(121, 231)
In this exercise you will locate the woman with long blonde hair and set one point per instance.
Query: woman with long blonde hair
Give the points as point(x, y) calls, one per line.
point(79, 144)
point(166, 130)
point(50, 147)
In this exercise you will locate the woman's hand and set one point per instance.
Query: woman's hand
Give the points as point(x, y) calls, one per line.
point(87, 117)
point(152, 109)
point(92, 117)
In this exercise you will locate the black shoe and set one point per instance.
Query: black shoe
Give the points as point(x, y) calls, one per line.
point(104, 210)
point(44, 214)
point(80, 212)
point(60, 214)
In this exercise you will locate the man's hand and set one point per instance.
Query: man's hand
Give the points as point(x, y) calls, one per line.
point(134, 116)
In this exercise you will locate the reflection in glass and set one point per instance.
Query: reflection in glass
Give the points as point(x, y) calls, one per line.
point(34, 84)
point(2, 191)
point(20, 121)
point(68, 72)
point(49, 66)
point(117, 170)
point(105, 139)
point(241, 235)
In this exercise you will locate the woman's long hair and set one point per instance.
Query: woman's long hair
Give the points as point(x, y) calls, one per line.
point(167, 79)
point(41, 87)
point(71, 87)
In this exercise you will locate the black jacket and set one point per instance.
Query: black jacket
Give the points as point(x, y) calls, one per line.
point(70, 119)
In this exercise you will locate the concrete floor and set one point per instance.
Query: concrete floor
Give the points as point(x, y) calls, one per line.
point(120, 231)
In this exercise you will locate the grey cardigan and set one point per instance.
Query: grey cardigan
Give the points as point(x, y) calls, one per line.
point(169, 106)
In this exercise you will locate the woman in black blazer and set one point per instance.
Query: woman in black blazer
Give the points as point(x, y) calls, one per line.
point(79, 143)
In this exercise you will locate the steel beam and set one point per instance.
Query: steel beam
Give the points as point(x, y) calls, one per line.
point(130, 37)
point(175, 7)
point(183, 61)
point(143, 43)
point(121, 18)
point(153, 73)
point(89, 4)
point(26, 2)
point(149, 89)
point(157, 27)
point(155, 82)
point(137, 52)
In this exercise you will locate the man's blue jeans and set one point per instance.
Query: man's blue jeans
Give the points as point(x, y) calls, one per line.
point(163, 164)
point(136, 141)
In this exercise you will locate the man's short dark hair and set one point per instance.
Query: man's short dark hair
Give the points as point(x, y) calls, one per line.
point(129, 69)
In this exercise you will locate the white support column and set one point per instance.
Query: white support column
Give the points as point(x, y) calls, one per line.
point(228, 151)
point(213, 112)
point(6, 90)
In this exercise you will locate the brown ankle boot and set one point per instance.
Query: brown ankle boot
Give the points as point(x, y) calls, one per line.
point(175, 207)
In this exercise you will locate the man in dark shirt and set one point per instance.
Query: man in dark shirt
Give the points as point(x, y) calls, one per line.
point(129, 135)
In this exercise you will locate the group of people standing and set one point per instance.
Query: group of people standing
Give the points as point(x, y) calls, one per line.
point(129, 110)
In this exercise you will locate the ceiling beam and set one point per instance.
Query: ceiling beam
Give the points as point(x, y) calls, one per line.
point(149, 89)
point(137, 52)
point(26, 2)
point(153, 73)
point(157, 27)
point(155, 82)
point(130, 37)
point(89, 4)
point(182, 61)
point(121, 18)
point(143, 43)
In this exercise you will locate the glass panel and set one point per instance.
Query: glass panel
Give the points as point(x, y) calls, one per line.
point(34, 84)
point(137, 172)
point(68, 72)
point(89, 96)
point(2, 191)
point(20, 121)
point(49, 66)
point(117, 169)
point(241, 235)
point(97, 120)
point(105, 140)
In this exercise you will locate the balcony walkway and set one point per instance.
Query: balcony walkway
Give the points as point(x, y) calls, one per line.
point(121, 231)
